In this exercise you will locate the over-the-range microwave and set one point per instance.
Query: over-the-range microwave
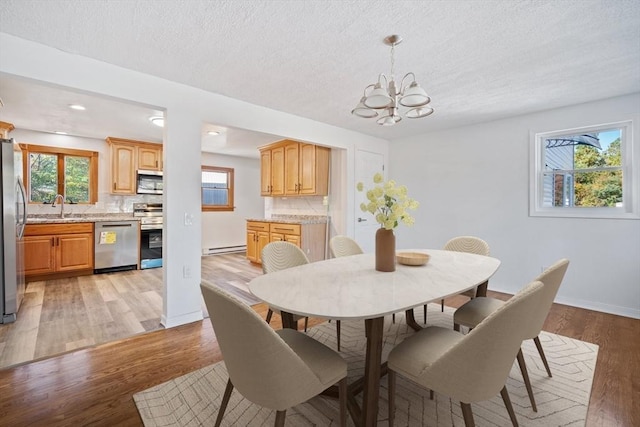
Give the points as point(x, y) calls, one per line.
point(148, 182)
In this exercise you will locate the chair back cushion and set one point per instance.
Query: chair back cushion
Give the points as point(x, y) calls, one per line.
point(477, 366)
point(552, 278)
point(344, 246)
point(278, 256)
point(261, 365)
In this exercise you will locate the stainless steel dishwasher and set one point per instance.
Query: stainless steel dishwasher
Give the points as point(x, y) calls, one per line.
point(116, 246)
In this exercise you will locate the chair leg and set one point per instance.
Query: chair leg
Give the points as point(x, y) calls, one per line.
point(507, 403)
point(431, 394)
point(424, 309)
point(306, 323)
point(338, 333)
point(280, 416)
point(542, 356)
point(527, 381)
point(442, 305)
point(225, 402)
point(269, 314)
point(343, 390)
point(467, 414)
point(456, 327)
point(391, 378)
point(393, 318)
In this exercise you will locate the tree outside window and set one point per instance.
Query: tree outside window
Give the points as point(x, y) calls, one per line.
point(49, 171)
point(217, 189)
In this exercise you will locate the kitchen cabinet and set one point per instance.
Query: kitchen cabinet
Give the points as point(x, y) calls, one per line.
point(257, 238)
point(5, 128)
point(126, 156)
point(272, 171)
point(285, 232)
point(310, 237)
point(150, 158)
point(58, 250)
point(290, 168)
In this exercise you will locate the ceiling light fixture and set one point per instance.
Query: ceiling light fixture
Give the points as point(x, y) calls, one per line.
point(59, 132)
point(385, 99)
point(77, 107)
point(213, 133)
point(157, 120)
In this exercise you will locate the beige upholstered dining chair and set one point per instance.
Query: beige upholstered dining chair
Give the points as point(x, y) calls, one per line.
point(468, 368)
point(473, 312)
point(278, 256)
point(343, 246)
point(472, 245)
point(273, 369)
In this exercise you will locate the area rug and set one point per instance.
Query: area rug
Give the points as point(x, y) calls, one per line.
point(194, 399)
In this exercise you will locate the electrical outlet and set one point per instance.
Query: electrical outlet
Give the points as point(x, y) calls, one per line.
point(325, 201)
point(186, 272)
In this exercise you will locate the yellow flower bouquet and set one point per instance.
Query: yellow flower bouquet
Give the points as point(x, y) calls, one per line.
point(388, 202)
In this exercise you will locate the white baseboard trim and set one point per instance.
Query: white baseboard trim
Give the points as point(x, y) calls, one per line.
point(224, 250)
point(181, 320)
point(634, 313)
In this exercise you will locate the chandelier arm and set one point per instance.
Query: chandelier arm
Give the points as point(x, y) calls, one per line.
point(402, 87)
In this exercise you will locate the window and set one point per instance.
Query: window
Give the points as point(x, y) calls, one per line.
point(589, 172)
point(49, 171)
point(217, 189)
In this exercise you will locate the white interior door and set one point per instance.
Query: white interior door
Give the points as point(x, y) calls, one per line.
point(367, 164)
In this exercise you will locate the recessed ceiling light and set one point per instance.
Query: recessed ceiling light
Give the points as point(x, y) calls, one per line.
point(157, 120)
point(213, 133)
point(77, 107)
point(59, 132)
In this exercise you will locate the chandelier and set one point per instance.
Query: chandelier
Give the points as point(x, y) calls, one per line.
point(386, 99)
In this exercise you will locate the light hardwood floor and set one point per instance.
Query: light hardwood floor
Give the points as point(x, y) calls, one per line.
point(67, 314)
point(95, 385)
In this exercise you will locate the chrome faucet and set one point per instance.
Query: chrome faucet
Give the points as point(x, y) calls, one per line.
point(53, 205)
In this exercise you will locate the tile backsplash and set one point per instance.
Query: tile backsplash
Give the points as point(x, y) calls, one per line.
point(108, 203)
point(311, 205)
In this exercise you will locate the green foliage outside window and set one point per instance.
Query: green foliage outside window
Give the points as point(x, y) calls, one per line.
point(598, 188)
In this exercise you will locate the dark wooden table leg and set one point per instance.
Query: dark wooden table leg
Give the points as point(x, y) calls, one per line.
point(411, 320)
point(373, 361)
point(288, 320)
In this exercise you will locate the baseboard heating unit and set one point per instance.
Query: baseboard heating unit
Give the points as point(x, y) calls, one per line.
point(224, 250)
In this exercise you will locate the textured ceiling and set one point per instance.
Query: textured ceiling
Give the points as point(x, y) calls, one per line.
point(478, 60)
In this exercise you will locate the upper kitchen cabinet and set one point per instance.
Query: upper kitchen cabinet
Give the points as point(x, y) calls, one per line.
point(126, 157)
point(150, 158)
point(290, 168)
point(5, 128)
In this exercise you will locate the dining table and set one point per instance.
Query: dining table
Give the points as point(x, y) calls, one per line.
point(350, 288)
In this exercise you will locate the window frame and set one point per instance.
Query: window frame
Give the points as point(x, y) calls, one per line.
point(229, 207)
point(630, 152)
point(61, 153)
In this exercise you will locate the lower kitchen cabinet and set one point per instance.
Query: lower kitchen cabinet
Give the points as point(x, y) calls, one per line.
point(257, 238)
point(308, 237)
point(58, 250)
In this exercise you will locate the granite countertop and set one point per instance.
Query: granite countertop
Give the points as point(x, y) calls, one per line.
point(294, 219)
point(69, 218)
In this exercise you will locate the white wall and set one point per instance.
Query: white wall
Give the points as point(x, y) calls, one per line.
point(186, 108)
point(223, 229)
point(475, 181)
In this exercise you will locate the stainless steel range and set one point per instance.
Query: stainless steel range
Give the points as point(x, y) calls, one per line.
point(151, 222)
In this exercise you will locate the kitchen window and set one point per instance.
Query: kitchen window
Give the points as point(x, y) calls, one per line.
point(53, 170)
point(217, 189)
point(588, 172)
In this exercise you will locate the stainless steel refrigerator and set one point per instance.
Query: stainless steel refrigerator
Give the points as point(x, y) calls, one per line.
point(14, 217)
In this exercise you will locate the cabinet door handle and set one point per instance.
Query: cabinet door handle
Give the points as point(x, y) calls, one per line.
point(156, 163)
point(57, 241)
point(53, 241)
point(114, 185)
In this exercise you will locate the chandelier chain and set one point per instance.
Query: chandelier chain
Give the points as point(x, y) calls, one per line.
point(393, 61)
